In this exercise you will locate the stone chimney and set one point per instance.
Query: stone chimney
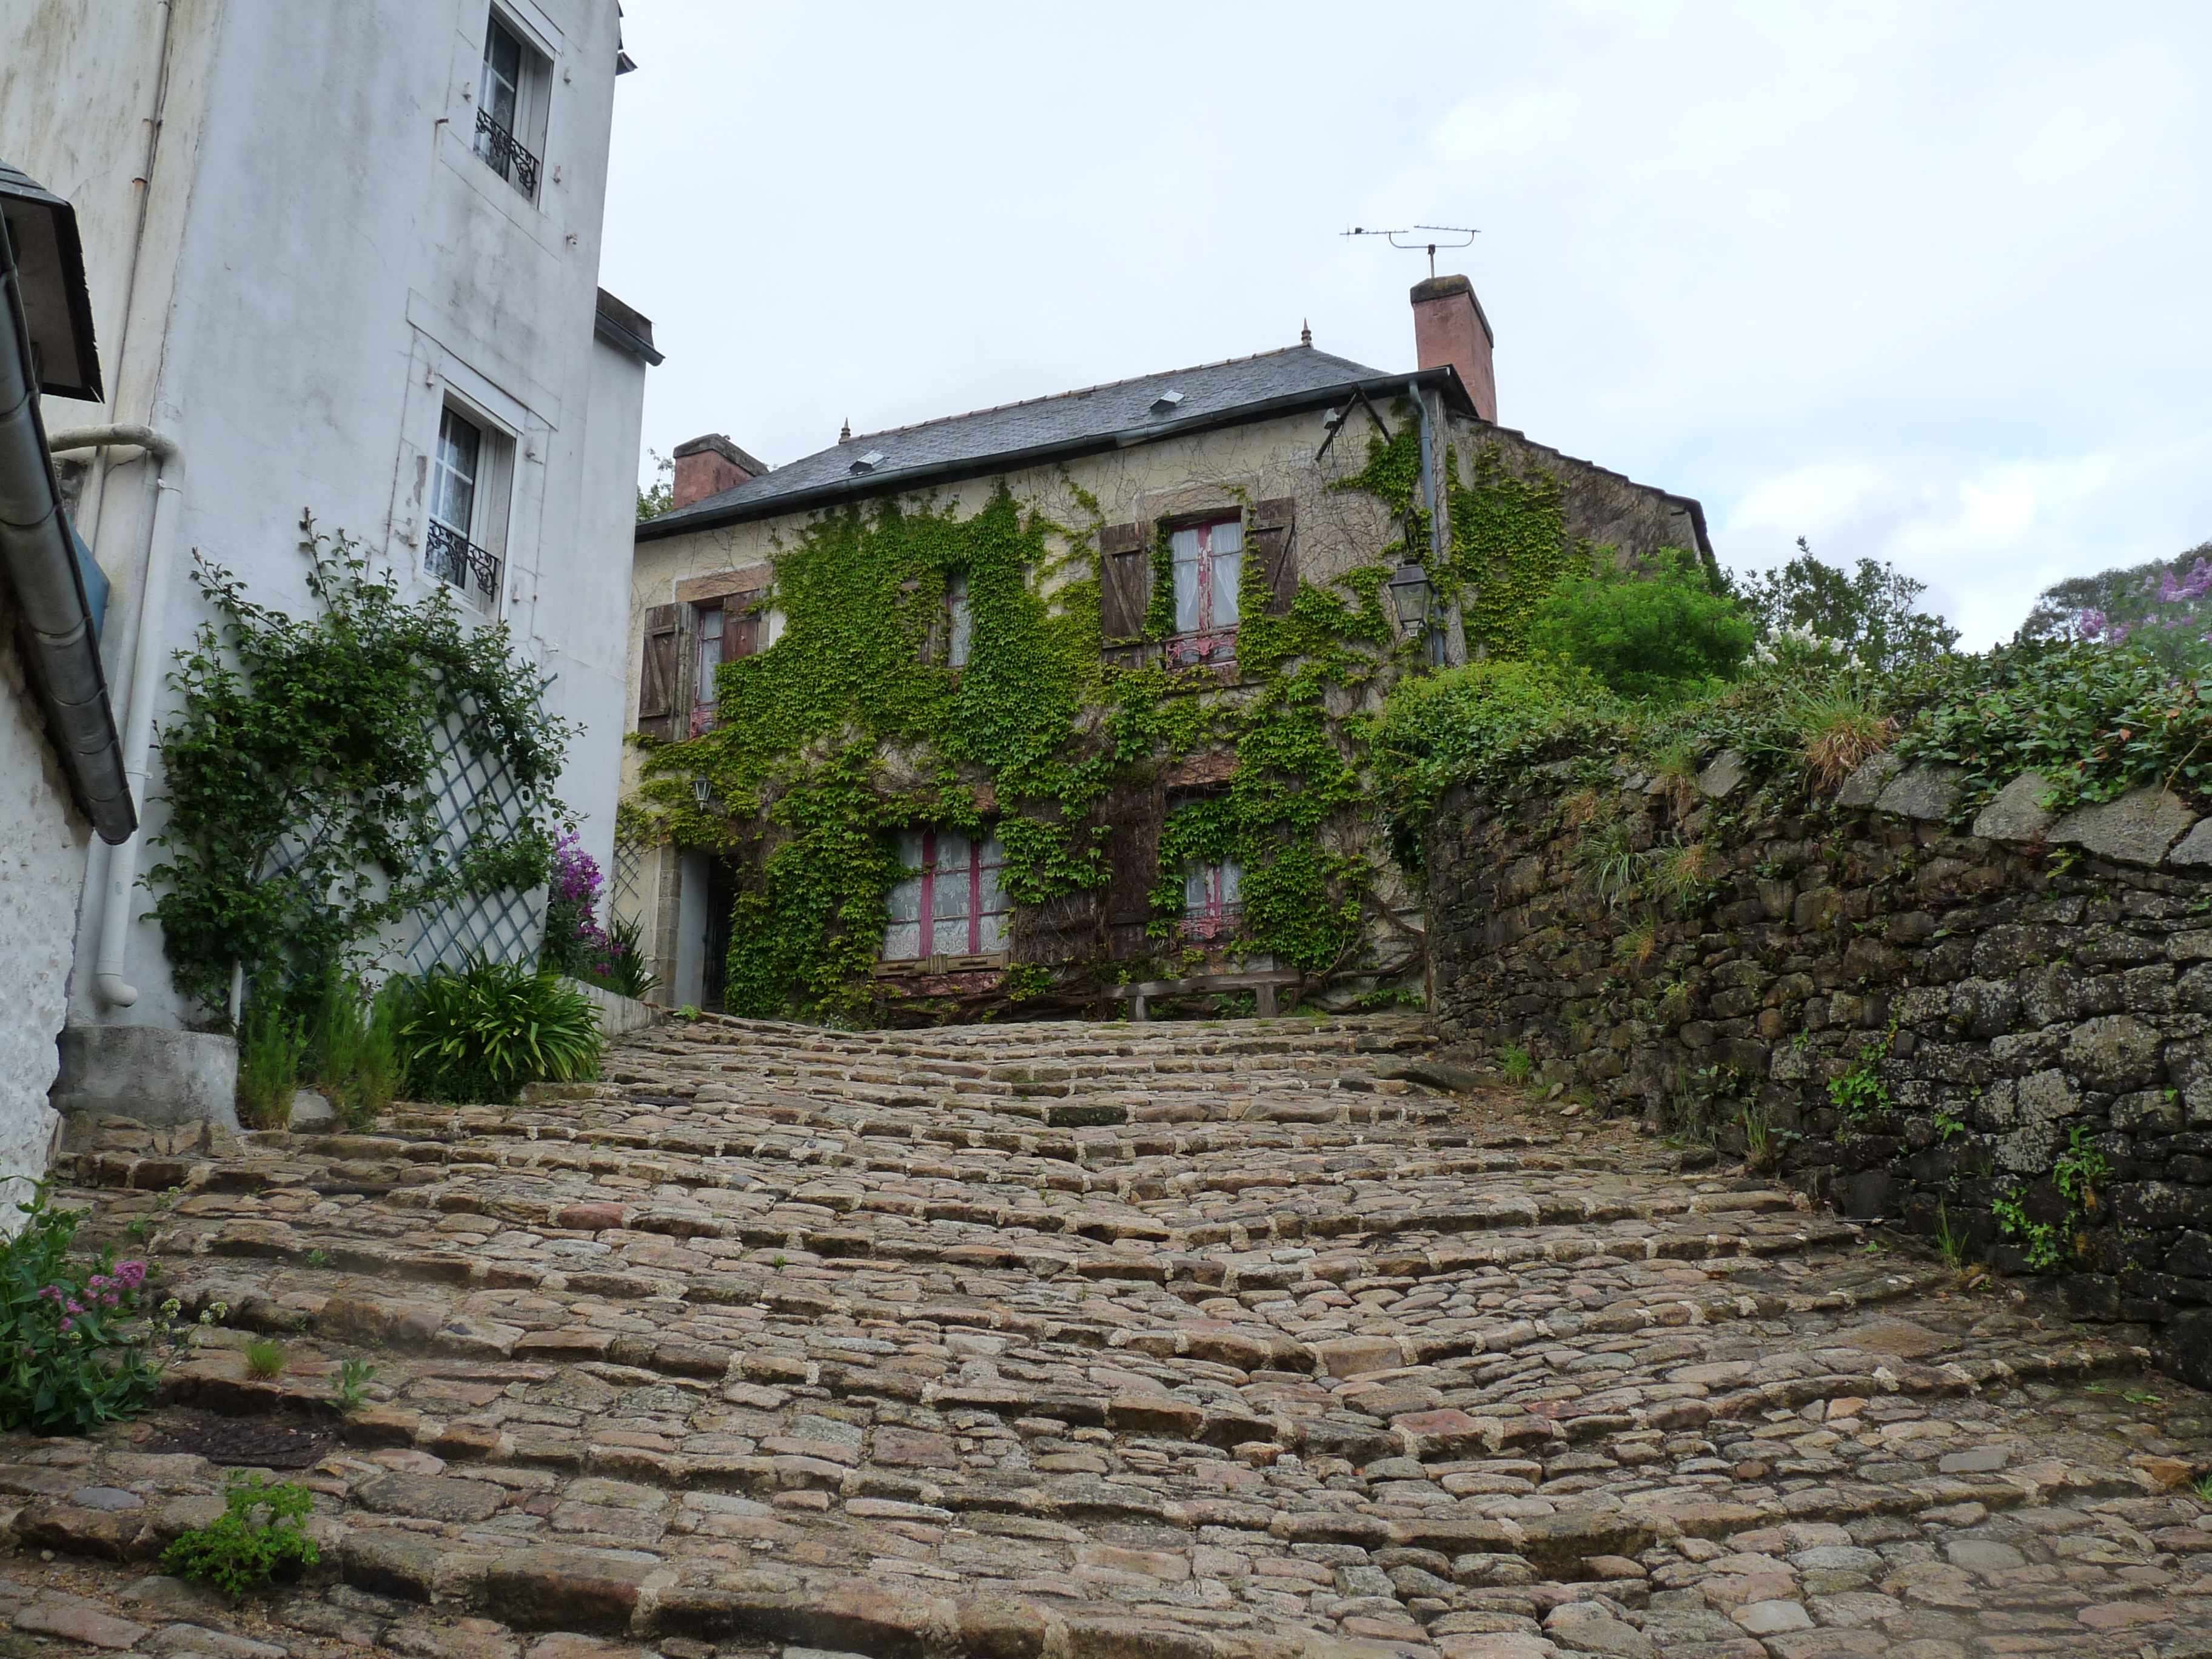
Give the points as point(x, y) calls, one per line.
point(707, 466)
point(1449, 327)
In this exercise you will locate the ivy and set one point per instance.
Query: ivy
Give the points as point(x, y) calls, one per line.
point(302, 771)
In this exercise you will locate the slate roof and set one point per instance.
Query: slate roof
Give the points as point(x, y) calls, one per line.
point(1113, 416)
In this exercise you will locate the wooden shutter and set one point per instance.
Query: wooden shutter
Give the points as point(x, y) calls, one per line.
point(1125, 558)
point(740, 634)
point(1132, 817)
point(1271, 545)
point(656, 690)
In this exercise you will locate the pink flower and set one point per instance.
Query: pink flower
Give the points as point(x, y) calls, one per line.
point(130, 1274)
point(69, 1324)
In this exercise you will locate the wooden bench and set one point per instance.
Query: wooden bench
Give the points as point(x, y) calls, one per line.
point(1266, 984)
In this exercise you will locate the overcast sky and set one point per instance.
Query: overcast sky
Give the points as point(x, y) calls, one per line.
point(1922, 283)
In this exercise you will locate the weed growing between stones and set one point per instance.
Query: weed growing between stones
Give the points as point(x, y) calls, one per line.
point(351, 1389)
point(264, 1358)
point(257, 1536)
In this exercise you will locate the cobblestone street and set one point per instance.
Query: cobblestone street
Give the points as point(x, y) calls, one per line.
point(1244, 1339)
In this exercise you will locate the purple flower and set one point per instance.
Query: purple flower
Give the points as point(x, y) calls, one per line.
point(69, 1324)
point(130, 1274)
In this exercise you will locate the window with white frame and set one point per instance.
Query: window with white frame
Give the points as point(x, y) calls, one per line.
point(1212, 897)
point(466, 508)
point(1209, 565)
point(511, 111)
point(949, 903)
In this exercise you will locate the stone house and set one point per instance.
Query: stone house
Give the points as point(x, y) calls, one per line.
point(1225, 547)
point(345, 258)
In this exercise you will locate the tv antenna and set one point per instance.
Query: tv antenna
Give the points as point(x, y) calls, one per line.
point(1417, 243)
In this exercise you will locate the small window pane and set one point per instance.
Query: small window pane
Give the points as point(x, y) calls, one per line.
point(1228, 570)
point(1231, 883)
point(453, 483)
point(991, 932)
point(903, 941)
point(1187, 576)
point(906, 900)
point(911, 853)
point(503, 73)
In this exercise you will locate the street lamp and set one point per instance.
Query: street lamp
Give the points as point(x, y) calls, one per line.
point(50, 273)
point(1410, 593)
point(702, 791)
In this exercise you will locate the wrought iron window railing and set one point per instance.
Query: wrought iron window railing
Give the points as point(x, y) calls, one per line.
point(506, 156)
point(453, 557)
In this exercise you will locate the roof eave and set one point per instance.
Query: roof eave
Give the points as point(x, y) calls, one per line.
point(839, 491)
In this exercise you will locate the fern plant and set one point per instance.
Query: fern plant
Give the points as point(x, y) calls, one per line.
point(482, 1033)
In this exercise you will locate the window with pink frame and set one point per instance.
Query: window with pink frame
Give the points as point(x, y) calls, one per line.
point(1213, 898)
point(1209, 566)
point(949, 903)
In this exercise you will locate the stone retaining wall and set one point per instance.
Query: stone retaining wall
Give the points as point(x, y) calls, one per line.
point(2031, 996)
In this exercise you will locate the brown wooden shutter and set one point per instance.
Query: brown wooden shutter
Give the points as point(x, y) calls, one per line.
point(740, 634)
point(1125, 558)
point(1132, 817)
point(1272, 523)
point(656, 690)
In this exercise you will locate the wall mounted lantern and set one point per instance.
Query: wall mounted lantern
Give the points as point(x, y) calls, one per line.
point(50, 271)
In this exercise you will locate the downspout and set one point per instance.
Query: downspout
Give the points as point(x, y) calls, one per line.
point(145, 677)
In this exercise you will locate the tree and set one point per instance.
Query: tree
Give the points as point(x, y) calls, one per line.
point(2164, 606)
point(652, 503)
point(1872, 614)
point(1656, 627)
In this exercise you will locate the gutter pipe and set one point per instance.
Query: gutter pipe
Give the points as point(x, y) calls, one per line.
point(40, 561)
point(145, 678)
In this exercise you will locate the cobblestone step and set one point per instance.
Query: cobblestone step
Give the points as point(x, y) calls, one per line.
point(1269, 1347)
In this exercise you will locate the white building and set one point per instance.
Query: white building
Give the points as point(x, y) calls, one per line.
point(344, 259)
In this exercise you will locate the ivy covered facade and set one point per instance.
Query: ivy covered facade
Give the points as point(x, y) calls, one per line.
point(1005, 711)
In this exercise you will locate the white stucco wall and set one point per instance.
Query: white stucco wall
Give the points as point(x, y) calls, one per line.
point(40, 858)
point(325, 264)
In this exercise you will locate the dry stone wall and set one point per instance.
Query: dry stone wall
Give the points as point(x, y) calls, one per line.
point(2021, 1007)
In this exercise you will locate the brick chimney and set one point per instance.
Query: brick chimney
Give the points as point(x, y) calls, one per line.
point(1449, 327)
point(707, 466)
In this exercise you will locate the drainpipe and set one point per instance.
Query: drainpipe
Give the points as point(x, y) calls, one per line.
point(145, 676)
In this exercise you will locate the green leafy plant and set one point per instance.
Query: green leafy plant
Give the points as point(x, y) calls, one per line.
point(302, 771)
point(2080, 1170)
point(2041, 1241)
point(1637, 943)
point(1860, 1094)
point(70, 1361)
point(269, 1050)
point(355, 1041)
point(482, 1033)
point(352, 1385)
point(1649, 627)
point(1871, 614)
point(264, 1358)
point(1517, 1063)
point(258, 1535)
point(318, 1258)
point(1948, 1126)
point(623, 971)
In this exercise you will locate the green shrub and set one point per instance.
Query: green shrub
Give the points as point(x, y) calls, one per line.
point(269, 1050)
point(481, 1034)
point(239, 1548)
point(1656, 629)
point(66, 1366)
